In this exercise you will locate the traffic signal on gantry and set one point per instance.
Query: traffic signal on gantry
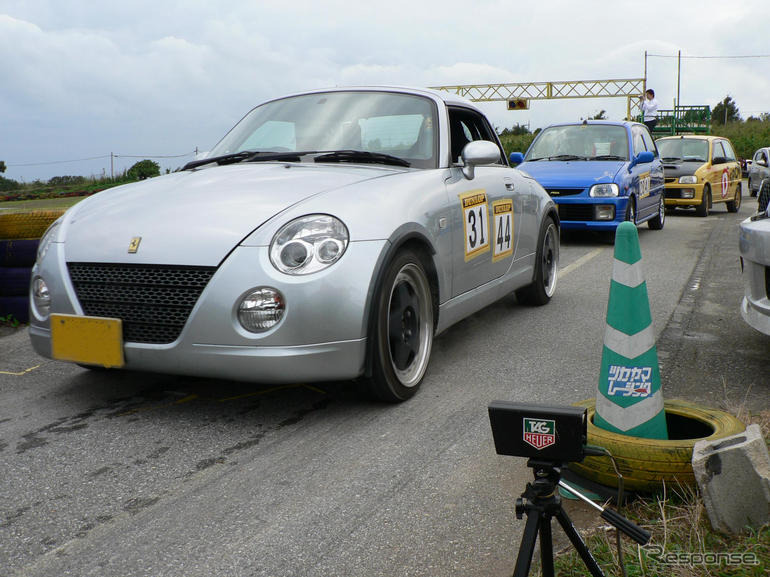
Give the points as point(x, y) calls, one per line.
point(518, 104)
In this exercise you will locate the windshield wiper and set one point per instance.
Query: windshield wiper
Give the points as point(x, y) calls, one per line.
point(567, 157)
point(249, 156)
point(670, 158)
point(607, 157)
point(362, 156)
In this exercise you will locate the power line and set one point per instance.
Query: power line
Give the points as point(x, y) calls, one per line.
point(49, 162)
point(711, 57)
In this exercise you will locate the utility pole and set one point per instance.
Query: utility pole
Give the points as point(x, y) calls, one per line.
point(112, 167)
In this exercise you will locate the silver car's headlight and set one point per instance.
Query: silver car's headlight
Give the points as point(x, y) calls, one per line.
point(692, 179)
point(41, 297)
point(48, 237)
point(309, 244)
point(604, 190)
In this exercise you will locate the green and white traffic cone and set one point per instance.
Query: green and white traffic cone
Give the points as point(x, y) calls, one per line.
point(630, 400)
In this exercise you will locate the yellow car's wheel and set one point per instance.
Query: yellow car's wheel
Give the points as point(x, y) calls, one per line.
point(26, 224)
point(647, 463)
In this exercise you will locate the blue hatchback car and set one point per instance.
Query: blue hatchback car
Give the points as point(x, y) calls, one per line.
point(599, 173)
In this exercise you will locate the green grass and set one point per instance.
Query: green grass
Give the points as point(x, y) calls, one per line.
point(43, 203)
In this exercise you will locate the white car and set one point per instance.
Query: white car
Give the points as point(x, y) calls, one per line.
point(754, 246)
point(329, 235)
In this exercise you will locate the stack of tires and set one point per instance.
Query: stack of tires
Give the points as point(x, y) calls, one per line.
point(20, 233)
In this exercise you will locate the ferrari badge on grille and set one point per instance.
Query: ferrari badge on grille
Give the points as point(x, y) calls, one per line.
point(133, 246)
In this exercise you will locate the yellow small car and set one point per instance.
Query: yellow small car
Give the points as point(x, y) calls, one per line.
point(699, 172)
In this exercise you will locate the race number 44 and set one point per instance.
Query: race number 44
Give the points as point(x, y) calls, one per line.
point(502, 214)
point(475, 223)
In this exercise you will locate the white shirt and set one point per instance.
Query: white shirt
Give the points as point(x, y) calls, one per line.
point(649, 109)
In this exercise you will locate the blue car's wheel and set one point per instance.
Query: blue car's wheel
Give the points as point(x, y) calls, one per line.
point(403, 334)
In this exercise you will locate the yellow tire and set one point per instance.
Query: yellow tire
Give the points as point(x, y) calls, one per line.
point(26, 224)
point(647, 463)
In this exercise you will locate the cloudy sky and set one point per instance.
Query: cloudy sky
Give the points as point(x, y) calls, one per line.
point(82, 79)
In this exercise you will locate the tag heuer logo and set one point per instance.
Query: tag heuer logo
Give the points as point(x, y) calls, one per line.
point(133, 246)
point(540, 433)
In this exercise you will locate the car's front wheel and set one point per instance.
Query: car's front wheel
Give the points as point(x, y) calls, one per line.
point(403, 330)
point(657, 222)
point(703, 208)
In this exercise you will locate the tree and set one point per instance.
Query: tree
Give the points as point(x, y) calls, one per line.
point(515, 130)
point(8, 184)
point(724, 112)
point(602, 115)
point(2, 166)
point(144, 169)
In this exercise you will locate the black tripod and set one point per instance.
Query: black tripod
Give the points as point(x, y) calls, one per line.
point(541, 501)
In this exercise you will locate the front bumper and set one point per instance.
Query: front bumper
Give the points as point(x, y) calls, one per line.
point(322, 335)
point(583, 213)
point(754, 246)
point(677, 194)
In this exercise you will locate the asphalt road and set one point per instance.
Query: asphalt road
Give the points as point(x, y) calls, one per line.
point(121, 474)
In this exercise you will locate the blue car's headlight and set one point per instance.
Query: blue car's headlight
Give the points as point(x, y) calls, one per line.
point(604, 190)
point(309, 244)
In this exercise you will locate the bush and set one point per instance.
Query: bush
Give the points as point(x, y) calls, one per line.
point(8, 184)
point(143, 169)
point(746, 137)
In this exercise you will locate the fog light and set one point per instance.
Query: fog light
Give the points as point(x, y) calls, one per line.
point(605, 212)
point(688, 193)
point(261, 310)
point(41, 297)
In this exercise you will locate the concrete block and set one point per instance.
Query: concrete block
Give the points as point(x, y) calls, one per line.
point(733, 474)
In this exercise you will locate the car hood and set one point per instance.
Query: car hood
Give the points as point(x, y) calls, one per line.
point(677, 169)
point(196, 217)
point(573, 173)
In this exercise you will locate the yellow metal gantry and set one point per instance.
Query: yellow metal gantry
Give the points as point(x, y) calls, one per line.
point(630, 88)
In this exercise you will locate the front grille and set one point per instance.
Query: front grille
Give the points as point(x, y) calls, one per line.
point(153, 301)
point(670, 180)
point(564, 191)
point(673, 193)
point(584, 212)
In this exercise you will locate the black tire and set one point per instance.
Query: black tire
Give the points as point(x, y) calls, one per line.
point(546, 267)
point(22, 252)
point(703, 208)
point(764, 196)
point(646, 463)
point(631, 210)
point(735, 204)
point(14, 281)
point(403, 329)
point(18, 307)
point(659, 220)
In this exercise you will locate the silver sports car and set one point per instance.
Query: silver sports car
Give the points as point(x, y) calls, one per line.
point(329, 235)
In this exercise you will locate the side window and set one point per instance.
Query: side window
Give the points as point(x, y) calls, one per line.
point(466, 126)
point(719, 151)
point(649, 143)
point(765, 157)
point(639, 146)
point(729, 153)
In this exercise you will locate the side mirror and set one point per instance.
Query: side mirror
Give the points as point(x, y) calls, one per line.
point(719, 160)
point(478, 153)
point(516, 158)
point(642, 158)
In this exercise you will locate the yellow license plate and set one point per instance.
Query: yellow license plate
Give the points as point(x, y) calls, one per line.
point(87, 340)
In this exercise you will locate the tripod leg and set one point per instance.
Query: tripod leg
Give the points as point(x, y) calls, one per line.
point(527, 546)
point(546, 546)
point(578, 543)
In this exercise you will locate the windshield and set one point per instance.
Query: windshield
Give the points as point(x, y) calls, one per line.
point(400, 125)
point(580, 142)
point(683, 149)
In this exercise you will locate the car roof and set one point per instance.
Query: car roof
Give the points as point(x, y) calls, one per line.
point(447, 97)
point(694, 137)
point(626, 123)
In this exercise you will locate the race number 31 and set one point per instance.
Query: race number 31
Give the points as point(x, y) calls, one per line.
point(502, 215)
point(475, 223)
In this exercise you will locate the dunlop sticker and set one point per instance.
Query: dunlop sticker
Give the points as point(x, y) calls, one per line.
point(502, 215)
point(475, 223)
